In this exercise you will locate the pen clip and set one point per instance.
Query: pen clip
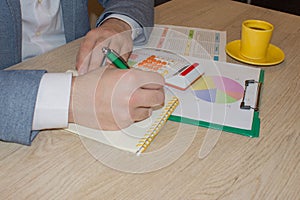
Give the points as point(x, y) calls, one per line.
point(103, 62)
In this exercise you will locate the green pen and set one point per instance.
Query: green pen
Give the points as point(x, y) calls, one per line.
point(115, 58)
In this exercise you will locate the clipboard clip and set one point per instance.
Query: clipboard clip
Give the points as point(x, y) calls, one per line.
point(243, 104)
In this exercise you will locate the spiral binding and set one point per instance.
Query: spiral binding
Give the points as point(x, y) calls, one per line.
point(157, 125)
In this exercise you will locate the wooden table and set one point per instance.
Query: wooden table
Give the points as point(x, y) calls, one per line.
point(58, 166)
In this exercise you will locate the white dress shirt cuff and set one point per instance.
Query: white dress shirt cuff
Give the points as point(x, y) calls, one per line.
point(52, 104)
point(135, 27)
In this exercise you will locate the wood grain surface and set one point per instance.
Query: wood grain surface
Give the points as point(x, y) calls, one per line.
point(60, 165)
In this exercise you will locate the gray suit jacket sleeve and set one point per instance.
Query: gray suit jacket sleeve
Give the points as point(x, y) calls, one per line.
point(18, 92)
point(142, 11)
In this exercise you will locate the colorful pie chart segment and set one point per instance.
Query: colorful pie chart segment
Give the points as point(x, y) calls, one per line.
point(218, 89)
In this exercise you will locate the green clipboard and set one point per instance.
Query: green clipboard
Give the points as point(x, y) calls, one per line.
point(253, 132)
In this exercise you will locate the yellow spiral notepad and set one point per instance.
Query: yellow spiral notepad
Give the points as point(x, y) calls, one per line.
point(135, 138)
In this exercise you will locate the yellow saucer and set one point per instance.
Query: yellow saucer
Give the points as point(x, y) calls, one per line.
point(274, 55)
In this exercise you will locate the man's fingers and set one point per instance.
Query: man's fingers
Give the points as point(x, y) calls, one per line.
point(122, 48)
point(150, 80)
point(96, 58)
point(148, 98)
point(139, 114)
point(125, 56)
point(84, 56)
point(113, 33)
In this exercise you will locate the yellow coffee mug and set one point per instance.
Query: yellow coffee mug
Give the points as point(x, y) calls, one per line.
point(255, 38)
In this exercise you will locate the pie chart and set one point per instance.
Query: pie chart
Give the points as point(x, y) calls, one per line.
point(218, 89)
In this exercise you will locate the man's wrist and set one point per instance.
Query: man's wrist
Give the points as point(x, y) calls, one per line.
point(135, 27)
point(117, 25)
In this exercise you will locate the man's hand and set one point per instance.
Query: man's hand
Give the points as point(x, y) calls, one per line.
point(114, 33)
point(112, 99)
